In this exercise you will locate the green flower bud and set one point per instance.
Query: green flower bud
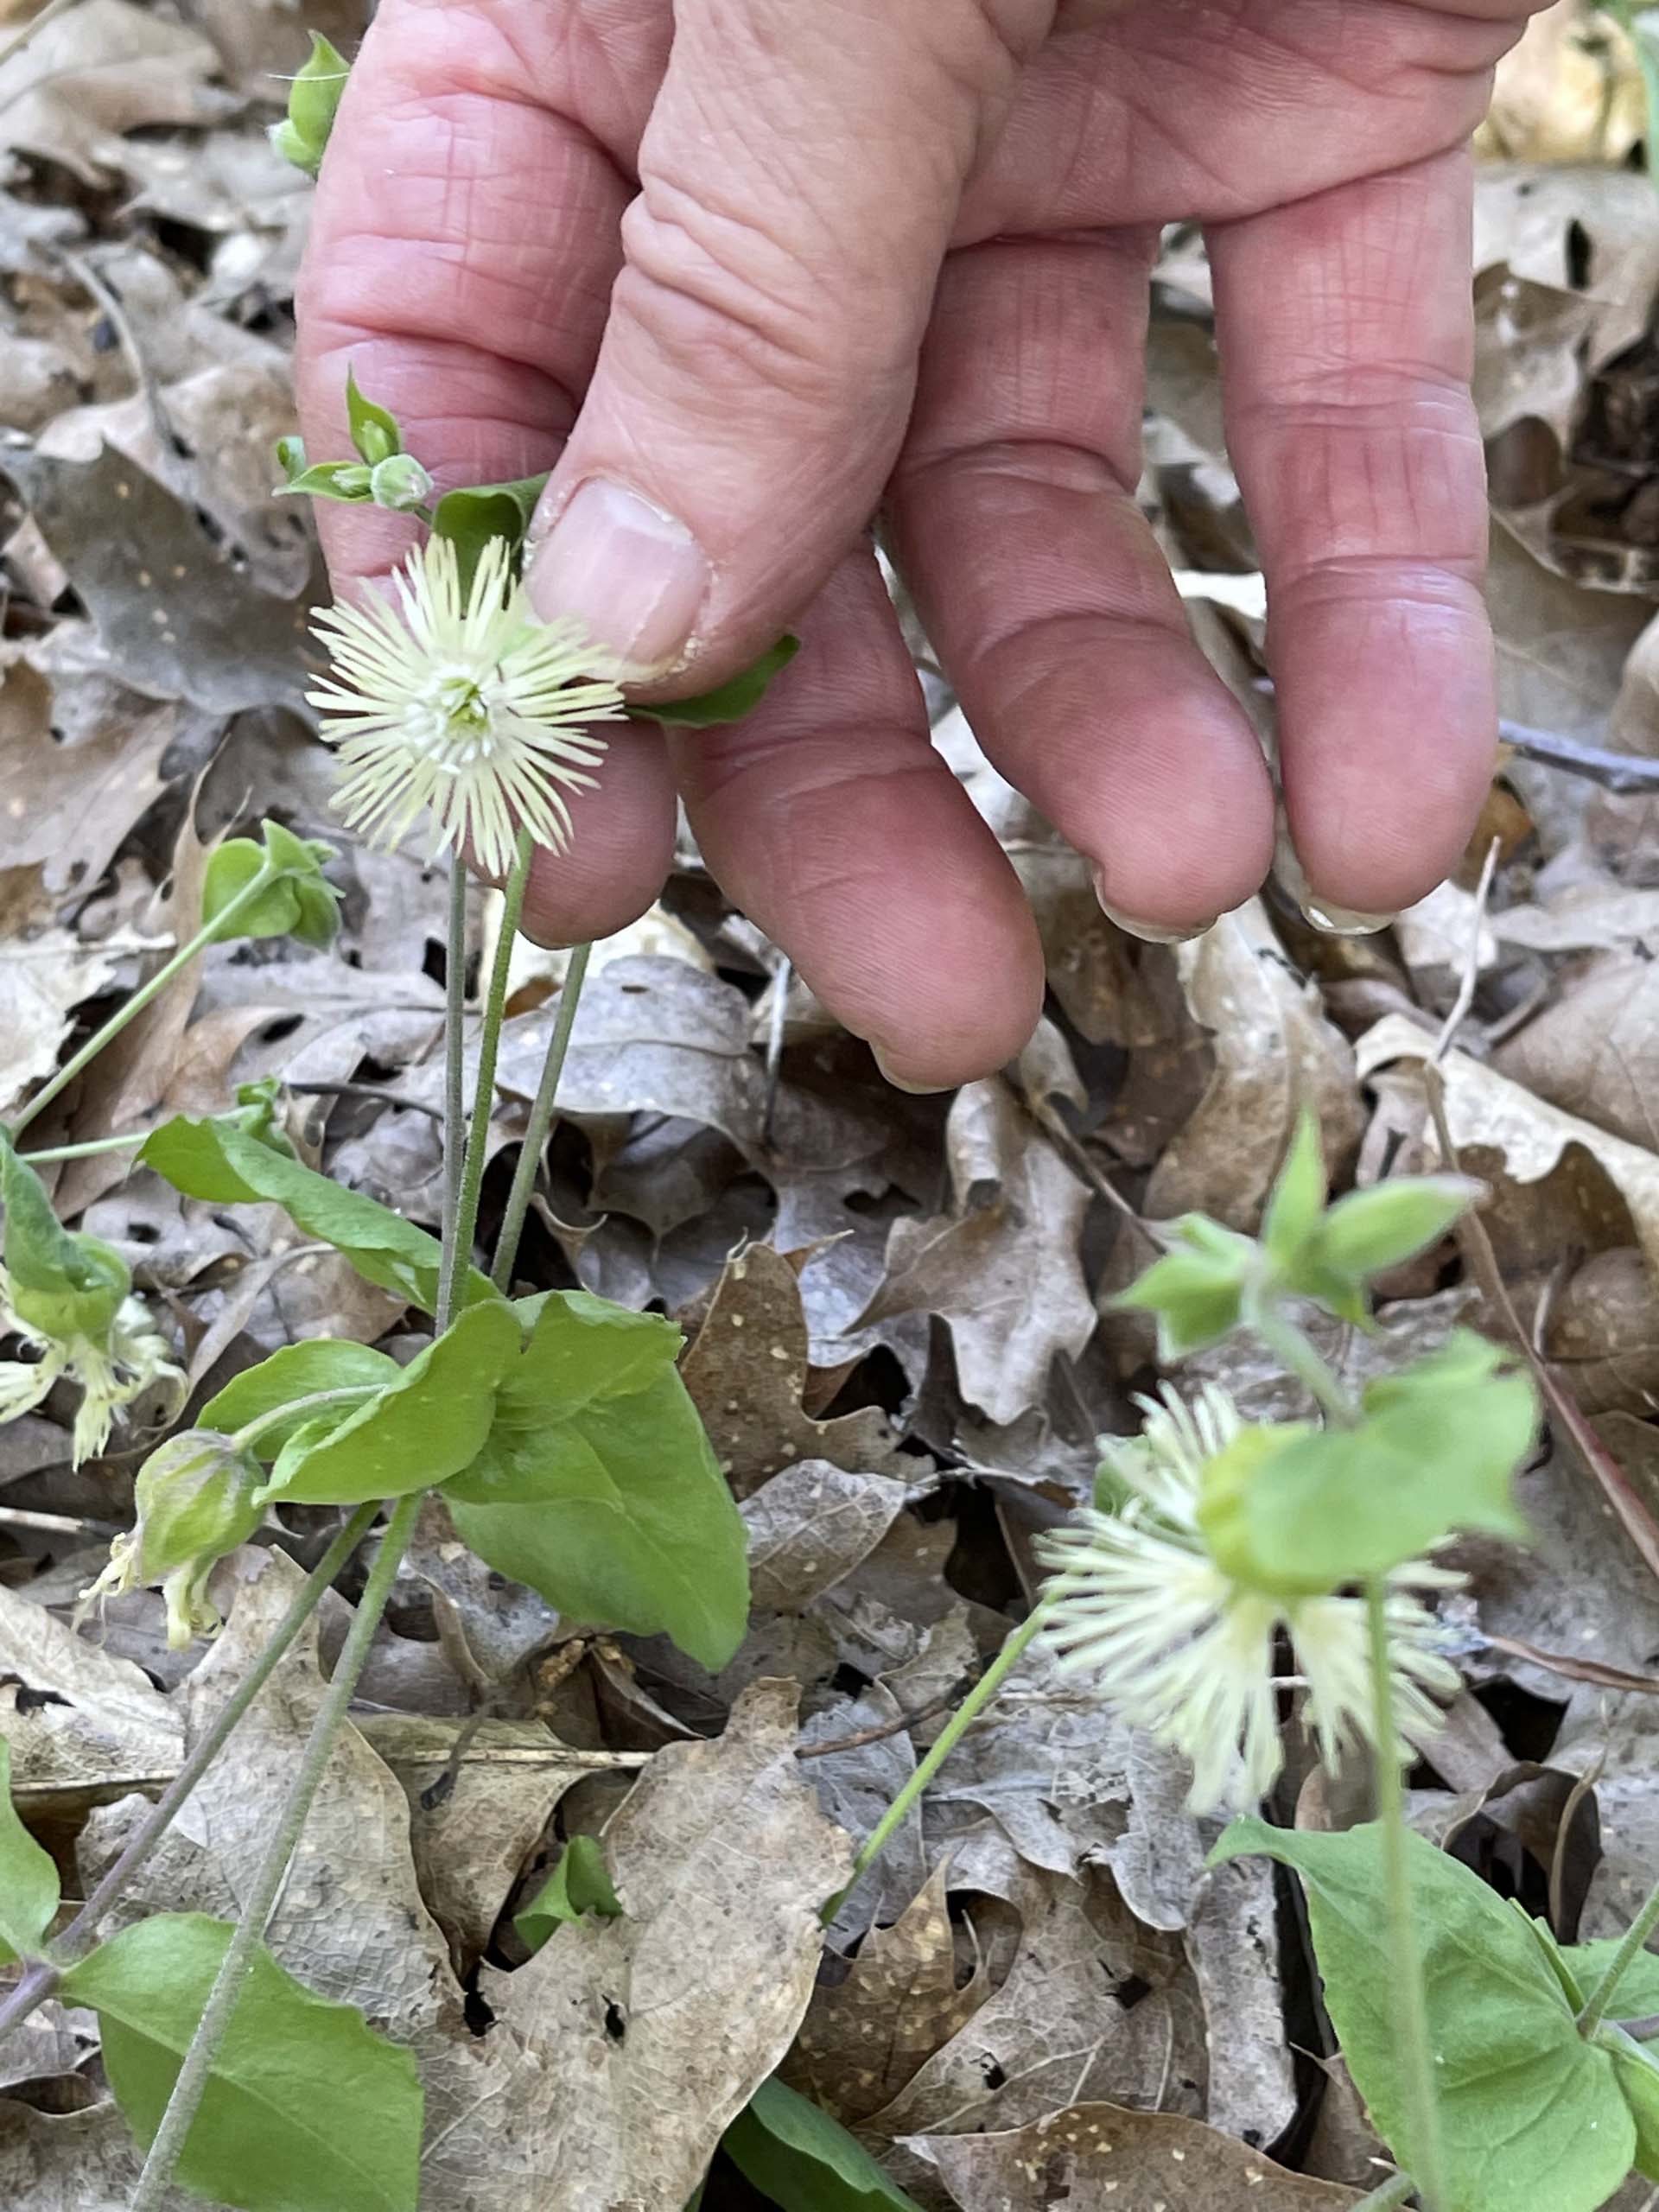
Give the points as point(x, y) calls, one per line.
point(1197, 1289)
point(312, 100)
point(399, 482)
point(195, 1502)
point(85, 1306)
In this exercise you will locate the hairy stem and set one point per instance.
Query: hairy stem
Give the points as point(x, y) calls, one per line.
point(254, 889)
point(1411, 1999)
point(540, 1121)
point(298, 1407)
point(495, 999)
point(454, 1075)
point(1632, 1943)
point(949, 1736)
point(194, 2075)
point(41, 1979)
point(1400, 2190)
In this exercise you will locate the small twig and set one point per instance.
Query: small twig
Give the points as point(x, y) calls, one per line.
point(1614, 772)
point(54, 1525)
point(20, 39)
point(1077, 1159)
point(382, 1091)
point(1471, 977)
point(929, 1711)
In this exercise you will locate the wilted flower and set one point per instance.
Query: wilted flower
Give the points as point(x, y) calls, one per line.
point(1185, 1650)
point(115, 1356)
point(461, 704)
point(196, 1503)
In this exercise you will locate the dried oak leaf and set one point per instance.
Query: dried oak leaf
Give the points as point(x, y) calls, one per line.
point(1101, 2157)
point(79, 763)
point(84, 1726)
point(104, 69)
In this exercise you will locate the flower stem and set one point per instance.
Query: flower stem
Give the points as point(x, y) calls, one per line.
point(1399, 2190)
point(949, 1736)
point(1632, 1943)
point(244, 1437)
point(1297, 1354)
point(454, 1076)
point(253, 888)
point(1417, 2051)
point(540, 1121)
point(495, 999)
point(156, 2180)
point(87, 1151)
point(41, 1977)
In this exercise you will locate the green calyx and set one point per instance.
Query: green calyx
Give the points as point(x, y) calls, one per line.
point(196, 1501)
point(1224, 1516)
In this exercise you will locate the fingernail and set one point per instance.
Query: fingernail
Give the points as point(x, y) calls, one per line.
point(1151, 932)
point(903, 1082)
point(1343, 921)
point(635, 576)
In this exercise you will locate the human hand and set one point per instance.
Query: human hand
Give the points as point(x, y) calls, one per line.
point(818, 259)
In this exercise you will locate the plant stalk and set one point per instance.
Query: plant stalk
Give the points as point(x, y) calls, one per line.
point(156, 2180)
point(87, 1151)
point(243, 1438)
point(455, 1074)
point(1417, 2051)
point(1296, 1352)
point(1399, 2190)
point(540, 1121)
point(1631, 1944)
point(254, 889)
point(949, 1736)
point(495, 1000)
point(41, 1979)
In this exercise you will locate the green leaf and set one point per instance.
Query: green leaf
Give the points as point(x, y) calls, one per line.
point(221, 1162)
point(28, 1879)
point(730, 702)
point(598, 1487)
point(350, 480)
point(314, 99)
point(1297, 1200)
point(427, 1424)
point(307, 2109)
point(578, 1884)
point(792, 2152)
point(1197, 1290)
point(1637, 1992)
point(298, 902)
point(61, 1282)
point(1530, 2115)
point(474, 513)
point(1369, 1230)
point(1435, 1454)
point(374, 429)
point(296, 1372)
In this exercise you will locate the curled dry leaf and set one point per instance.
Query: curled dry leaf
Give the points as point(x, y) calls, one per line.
point(1100, 2158)
point(104, 69)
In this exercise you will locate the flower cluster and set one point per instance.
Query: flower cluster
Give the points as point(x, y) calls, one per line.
point(114, 1361)
point(1186, 1650)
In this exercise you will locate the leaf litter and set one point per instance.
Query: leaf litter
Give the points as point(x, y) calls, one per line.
point(898, 1311)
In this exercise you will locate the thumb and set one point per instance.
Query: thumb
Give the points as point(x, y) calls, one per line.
point(799, 177)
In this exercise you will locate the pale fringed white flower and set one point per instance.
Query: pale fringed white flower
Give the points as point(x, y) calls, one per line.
point(131, 1358)
point(1186, 1652)
point(461, 705)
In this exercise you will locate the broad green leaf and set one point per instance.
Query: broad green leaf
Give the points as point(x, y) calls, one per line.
point(61, 1282)
point(1636, 1996)
point(300, 902)
point(792, 2152)
point(578, 1884)
point(1530, 2115)
point(218, 1161)
point(598, 1487)
point(314, 98)
point(421, 1428)
point(1197, 1290)
point(474, 513)
point(29, 1878)
point(1637, 2071)
point(1435, 1454)
point(296, 1372)
point(374, 429)
point(730, 702)
point(307, 2109)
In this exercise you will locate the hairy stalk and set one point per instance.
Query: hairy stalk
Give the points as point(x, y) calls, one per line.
point(87, 1151)
point(1300, 1357)
point(495, 999)
point(1400, 2190)
point(1411, 1998)
point(1631, 1944)
point(41, 1979)
point(454, 1075)
point(296, 1407)
point(949, 1736)
point(540, 1121)
point(254, 889)
point(191, 2086)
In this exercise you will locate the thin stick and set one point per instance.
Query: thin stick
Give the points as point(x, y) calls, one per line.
point(459, 1248)
point(455, 1074)
point(541, 1121)
point(189, 2090)
point(82, 1931)
point(1411, 1999)
point(961, 1720)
